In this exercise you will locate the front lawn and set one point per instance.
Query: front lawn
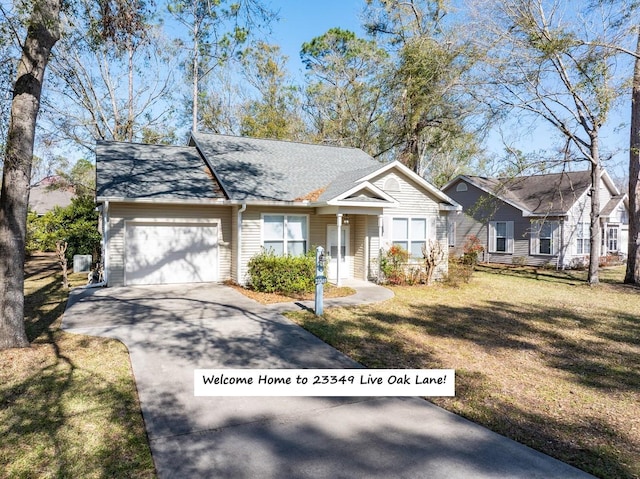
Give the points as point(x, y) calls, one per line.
point(68, 404)
point(539, 356)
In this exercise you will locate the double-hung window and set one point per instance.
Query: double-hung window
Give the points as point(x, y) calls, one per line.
point(285, 234)
point(410, 234)
point(544, 237)
point(501, 236)
point(583, 237)
point(612, 239)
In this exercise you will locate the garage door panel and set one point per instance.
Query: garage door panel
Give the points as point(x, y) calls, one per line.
point(170, 253)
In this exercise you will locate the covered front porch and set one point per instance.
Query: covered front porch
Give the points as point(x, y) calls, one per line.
point(351, 238)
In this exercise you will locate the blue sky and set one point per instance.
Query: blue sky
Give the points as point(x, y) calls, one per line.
point(302, 20)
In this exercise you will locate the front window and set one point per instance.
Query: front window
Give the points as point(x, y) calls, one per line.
point(410, 234)
point(612, 238)
point(501, 236)
point(544, 237)
point(582, 239)
point(285, 234)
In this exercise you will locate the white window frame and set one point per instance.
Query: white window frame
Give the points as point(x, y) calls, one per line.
point(285, 240)
point(611, 239)
point(451, 231)
point(493, 237)
point(430, 229)
point(583, 238)
point(536, 228)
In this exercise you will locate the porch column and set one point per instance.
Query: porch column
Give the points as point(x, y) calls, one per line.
point(339, 258)
point(380, 233)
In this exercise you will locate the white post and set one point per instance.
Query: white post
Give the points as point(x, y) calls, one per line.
point(339, 258)
point(380, 233)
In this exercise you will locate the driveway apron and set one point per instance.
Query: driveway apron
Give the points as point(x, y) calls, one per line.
point(172, 330)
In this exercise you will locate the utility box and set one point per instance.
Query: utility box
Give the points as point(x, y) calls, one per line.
point(82, 263)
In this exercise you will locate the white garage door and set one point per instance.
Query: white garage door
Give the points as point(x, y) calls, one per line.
point(170, 253)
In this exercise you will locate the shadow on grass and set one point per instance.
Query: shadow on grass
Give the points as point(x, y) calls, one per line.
point(65, 418)
point(596, 360)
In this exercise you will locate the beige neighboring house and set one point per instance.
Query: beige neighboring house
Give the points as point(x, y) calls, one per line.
point(539, 219)
point(199, 213)
point(43, 198)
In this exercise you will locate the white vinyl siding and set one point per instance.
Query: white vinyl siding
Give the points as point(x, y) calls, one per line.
point(545, 237)
point(285, 234)
point(501, 236)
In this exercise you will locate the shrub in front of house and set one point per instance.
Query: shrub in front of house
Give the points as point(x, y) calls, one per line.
point(288, 275)
point(472, 249)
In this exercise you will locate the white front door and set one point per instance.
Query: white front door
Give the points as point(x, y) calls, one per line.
point(332, 251)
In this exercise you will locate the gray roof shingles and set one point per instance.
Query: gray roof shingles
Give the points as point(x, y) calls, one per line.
point(275, 170)
point(553, 193)
point(137, 171)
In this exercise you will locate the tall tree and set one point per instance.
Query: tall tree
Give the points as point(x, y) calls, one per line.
point(632, 274)
point(7, 75)
point(216, 30)
point(42, 32)
point(274, 112)
point(556, 70)
point(112, 77)
point(430, 100)
point(345, 89)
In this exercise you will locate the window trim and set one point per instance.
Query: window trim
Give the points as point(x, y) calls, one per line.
point(609, 229)
point(493, 237)
point(284, 230)
point(534, 245)
point(583, 238)
point(430, 232)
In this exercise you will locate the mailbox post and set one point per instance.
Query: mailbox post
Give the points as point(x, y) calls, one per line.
point(321, 279)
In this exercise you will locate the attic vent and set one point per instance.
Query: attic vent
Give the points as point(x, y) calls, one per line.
point(462, 187)
point(391, 185)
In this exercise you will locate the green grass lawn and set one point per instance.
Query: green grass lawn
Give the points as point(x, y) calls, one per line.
point(68, 404)
point(539, 356)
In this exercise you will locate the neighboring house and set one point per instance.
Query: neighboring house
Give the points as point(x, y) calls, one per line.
point(199, 213)
point(537, 220)
point(44, 197)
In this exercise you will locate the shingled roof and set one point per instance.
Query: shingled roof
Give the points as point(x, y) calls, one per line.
point(550, 194)
point(137, 171)
point(275, 170)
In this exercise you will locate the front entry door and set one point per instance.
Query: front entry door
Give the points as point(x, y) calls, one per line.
point(332, 250)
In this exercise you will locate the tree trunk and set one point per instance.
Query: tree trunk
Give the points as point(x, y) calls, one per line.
point(42, 34)
point(594, 230)
point(633, 259)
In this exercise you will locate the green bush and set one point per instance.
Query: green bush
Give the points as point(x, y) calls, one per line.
point(77, 224)
point(286, 275)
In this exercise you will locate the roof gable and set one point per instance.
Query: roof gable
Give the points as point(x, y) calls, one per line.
point(536, 195)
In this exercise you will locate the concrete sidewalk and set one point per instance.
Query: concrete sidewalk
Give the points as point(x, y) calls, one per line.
point(172, 330)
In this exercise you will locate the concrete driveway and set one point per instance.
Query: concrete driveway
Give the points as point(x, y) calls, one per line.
point(172, 330)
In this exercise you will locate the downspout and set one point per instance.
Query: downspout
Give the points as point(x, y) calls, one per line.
point(105, 248)
point(242, 209)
